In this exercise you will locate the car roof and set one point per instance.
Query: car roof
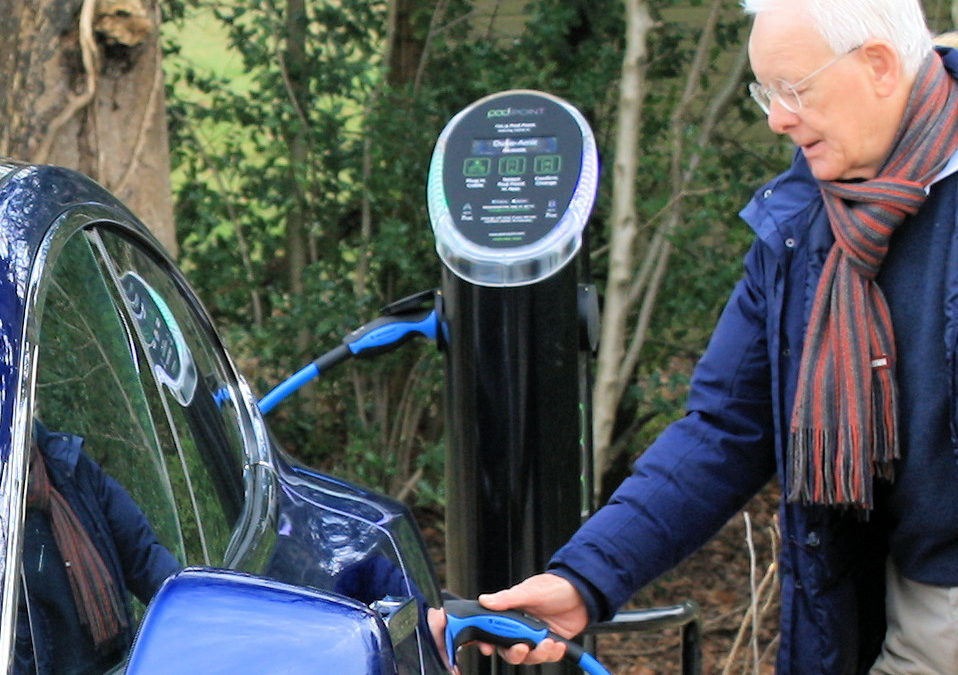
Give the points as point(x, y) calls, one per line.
point(32, 198)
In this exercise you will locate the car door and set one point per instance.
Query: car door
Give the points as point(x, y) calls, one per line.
point(134, 388)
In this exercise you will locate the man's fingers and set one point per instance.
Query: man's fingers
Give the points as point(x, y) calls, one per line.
point(545, 652)
point(524, 593)
point(515, 654)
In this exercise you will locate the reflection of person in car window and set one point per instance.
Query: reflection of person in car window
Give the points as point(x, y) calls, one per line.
point(86, 544)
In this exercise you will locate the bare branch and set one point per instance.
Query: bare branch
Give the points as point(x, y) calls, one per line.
point(754, 615)
point(409, 485)
point(652, 271)
point(717, 108)
point(622, 440)
point(406, 417)
point(434, 27)
point(658, 257)
point(753, 565)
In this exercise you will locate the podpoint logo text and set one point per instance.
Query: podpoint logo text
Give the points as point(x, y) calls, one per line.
point(515, 112)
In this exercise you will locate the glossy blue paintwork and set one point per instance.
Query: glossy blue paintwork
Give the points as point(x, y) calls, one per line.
point(336, 547)
point(338, 537)
point(205, 621)
point(31, 198)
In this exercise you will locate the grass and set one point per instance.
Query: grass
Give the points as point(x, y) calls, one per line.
point(204, 44)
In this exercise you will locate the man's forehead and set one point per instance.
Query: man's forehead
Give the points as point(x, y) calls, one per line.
point(783, 25)
point(782, 35)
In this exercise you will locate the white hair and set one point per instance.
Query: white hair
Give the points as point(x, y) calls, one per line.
point(846, 24)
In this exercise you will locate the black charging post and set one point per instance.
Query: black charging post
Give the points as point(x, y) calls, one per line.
point(511, 186)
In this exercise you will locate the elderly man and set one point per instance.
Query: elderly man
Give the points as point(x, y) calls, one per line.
point(833, 365)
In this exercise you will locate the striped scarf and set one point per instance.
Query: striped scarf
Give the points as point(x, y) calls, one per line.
point(844, 428)
point(100, 608)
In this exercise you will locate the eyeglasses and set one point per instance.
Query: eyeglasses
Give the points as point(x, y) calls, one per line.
point(787, 92)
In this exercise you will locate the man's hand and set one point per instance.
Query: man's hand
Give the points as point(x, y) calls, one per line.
point(545, 596)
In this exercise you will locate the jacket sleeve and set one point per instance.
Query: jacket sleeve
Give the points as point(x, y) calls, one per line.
point(146, 562)
point(697, 474)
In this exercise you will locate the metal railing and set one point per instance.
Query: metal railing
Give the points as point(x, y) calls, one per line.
point(685, 616)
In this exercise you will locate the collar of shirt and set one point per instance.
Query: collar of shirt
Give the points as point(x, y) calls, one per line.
point(950, 168)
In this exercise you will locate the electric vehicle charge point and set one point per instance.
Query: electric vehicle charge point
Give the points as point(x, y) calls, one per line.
point(511, 185)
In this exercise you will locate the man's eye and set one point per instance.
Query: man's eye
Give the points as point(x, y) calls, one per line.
point(782, 87)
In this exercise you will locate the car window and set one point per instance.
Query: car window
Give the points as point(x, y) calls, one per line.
point(104, 526)
point(137, 429)
point(194, 393)
point(89, 383)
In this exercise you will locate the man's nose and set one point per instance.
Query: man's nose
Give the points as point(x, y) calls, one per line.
point(780, 118)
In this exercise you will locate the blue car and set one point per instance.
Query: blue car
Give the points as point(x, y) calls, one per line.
point(134, 459)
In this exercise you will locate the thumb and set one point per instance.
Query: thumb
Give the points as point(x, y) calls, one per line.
point(519, 595)
point(499, 600)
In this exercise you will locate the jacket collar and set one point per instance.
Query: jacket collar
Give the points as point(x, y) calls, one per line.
point(780, 201)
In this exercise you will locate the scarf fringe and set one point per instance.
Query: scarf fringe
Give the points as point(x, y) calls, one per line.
point(824, 470)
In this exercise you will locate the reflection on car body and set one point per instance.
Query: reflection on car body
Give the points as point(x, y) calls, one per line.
point(102, 338)
point(87, 546)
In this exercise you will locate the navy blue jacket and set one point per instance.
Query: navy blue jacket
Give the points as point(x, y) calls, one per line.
point(706, 466)
point(126, 542)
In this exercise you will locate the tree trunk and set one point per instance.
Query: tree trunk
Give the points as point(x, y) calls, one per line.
point(623, 235)
point(294, 62)
point(404, 48)
point(83, 88)
point(630, 288)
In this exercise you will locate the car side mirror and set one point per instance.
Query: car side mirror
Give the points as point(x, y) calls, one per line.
point(206, 620)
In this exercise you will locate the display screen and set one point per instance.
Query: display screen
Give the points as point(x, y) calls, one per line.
point(501, 146)
point(509, 182)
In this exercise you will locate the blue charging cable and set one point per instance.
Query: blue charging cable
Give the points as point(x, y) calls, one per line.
point(376, 337)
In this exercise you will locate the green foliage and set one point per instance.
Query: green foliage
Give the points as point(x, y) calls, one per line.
point(318, 132)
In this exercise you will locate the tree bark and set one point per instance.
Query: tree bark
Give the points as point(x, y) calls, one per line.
point(83, 88)
point(404, 48)
point(624, 232)
point(295, 71)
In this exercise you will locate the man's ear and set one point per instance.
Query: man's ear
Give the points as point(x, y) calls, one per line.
point(884, 66)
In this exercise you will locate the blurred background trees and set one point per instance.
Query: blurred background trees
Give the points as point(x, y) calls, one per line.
point(301, 211)
point(299, 137)
point(300, 176)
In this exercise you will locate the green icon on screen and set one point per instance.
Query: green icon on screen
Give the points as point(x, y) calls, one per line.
point(476, 167)
point(512, 166)
point(548, 164)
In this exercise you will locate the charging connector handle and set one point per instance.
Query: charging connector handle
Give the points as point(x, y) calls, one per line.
point(468, 621)
point(390, 331)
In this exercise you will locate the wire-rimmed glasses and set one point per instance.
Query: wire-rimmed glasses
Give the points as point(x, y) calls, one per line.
point(787, 93)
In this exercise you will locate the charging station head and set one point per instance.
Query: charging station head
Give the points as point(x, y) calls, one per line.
point(511, 185)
